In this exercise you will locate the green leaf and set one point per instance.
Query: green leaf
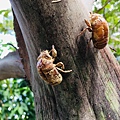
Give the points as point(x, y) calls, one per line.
point(20, 110)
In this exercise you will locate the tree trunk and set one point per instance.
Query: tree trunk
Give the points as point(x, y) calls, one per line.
point(91, 91)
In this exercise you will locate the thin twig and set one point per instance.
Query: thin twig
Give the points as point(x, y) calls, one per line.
point(103, 6)
point(12, 45)
point(115, 25)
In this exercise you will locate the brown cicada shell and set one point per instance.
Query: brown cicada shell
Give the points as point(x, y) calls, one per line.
point(49, 71)
point(100, 30)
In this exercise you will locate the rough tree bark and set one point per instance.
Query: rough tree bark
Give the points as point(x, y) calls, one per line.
point(92, 90)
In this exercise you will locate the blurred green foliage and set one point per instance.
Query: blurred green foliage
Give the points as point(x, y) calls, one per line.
point(111, 12)
point(6, 25)
point(16, 98)
point(1, 50)
point(6, 28)
point(7, 47)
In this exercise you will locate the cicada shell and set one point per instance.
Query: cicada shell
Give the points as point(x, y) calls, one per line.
point(49, 71)
point(100, 30)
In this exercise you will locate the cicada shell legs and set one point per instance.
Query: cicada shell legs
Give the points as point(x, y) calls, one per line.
point(53, 51)
point(61, 65)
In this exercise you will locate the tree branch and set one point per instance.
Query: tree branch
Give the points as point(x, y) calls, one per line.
point(11, 66)
point(103, 6)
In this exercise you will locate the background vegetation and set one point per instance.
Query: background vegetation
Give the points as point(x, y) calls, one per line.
point(16, 98)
